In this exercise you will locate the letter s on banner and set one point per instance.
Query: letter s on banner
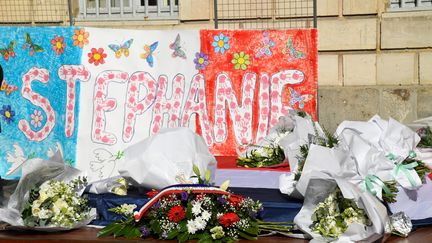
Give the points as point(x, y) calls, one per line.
point(41, 75)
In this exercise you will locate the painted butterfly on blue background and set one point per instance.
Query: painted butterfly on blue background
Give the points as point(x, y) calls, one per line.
point(292, 52)
point(178, 51)
point(265, 50)
point(8, 51)
point(32, 46)
point(148, 53)
point(121, 49)
point(297, 98)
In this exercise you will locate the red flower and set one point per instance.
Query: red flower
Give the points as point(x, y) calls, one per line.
point(235, 200)
point(228, 219)
point(97, 56)
point(58, 44)
point(176, 213)
point(152, 193)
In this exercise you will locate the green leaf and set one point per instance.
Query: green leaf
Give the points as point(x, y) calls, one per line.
point(172, 234)
point(183, 237)
point(246, 236)
point(207, 176)
point(109, 230)
point(196, 170)
point(225, 185)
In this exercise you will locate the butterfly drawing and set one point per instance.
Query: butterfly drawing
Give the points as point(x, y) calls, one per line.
point(8, 51)
point(265, 50)
point(32, 46)
point(178, 51)
point(300, 99)
point(292, 52)
point(148, 53)
point(121, 49)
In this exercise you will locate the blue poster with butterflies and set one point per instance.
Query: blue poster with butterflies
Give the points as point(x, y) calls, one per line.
point(91, 93)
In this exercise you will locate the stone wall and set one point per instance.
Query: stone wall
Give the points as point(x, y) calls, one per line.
point(371, 60)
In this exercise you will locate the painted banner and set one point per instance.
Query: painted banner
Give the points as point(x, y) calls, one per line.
point(93, 92)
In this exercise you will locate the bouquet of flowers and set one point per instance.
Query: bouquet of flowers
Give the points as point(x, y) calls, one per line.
point(56, 203)
point(269, 152)
point(194, 212)
point(335, 209)
point(47, 197)
point(332, 217)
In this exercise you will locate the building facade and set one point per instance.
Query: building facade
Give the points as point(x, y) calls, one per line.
point(375, 56)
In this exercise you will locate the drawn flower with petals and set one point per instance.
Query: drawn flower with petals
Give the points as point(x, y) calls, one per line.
point(80, 38)
point(97, 56)
point(220, 43)
point(36, 118)
point(240, 61)
point(7, 113)
point(58, 44)
point(201, 61)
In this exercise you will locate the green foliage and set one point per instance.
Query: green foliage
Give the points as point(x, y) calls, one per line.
point(421, 168)
point(390, 198)
point(426, 137)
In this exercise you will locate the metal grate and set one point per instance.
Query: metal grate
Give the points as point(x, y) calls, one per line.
point(410, 4)
point(265, 14)
point(34, 12)
point(127, 9)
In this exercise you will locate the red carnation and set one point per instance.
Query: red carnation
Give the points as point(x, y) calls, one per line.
point(152, 193)
point(235, 200)
point(176, 213)
point(228, 219)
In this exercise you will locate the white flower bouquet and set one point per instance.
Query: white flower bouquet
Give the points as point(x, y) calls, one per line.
point(56, 203)
point(336, 210)
point(47, 198)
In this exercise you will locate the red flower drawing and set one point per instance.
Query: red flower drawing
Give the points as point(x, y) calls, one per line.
point(97, 56)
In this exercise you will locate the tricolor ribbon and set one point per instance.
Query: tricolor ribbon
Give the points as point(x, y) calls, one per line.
point(196, 189)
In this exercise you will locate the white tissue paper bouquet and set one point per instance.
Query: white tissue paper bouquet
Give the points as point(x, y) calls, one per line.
point(48, 197)
point(166, 158)
point(385, 151)
point(335, 210)
point(308, 139)
point(269, 152)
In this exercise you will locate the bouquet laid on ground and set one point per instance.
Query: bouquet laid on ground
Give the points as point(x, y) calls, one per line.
point(269, 152)
point(335, 209)
point(332, 217)
point(56, 203)
point(47, 197)
point(200, 212)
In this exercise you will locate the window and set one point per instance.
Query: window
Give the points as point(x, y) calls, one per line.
point(411, 4)
point(127, 9)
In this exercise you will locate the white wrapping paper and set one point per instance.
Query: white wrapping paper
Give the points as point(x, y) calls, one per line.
point(320, 186)
point(34, 173)
point(166, 159)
